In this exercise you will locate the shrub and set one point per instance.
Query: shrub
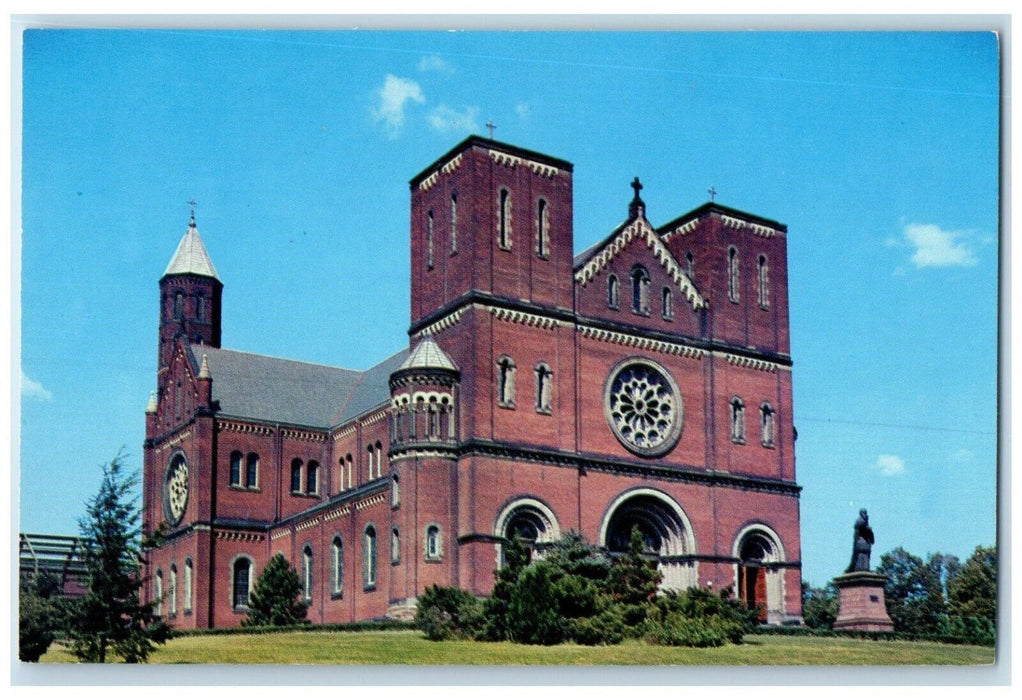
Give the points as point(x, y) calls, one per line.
point(274, 600)
point(699, 617)
point(40, 616)
point(969, 630)
point(446, 612)
point(680, 631)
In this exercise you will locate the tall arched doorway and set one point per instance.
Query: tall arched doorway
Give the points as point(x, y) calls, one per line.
point(665, 530)
point(758, 578)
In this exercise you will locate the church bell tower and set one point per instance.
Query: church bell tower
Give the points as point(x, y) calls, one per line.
point(190, 297)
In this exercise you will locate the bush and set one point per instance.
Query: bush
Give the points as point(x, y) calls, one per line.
point(449, 613)
point(970, 630)
point(698, 617)
point(40, 617)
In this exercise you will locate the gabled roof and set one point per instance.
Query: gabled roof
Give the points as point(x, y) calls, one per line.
point(596, 258)
point(191, 257)
point(265, 388)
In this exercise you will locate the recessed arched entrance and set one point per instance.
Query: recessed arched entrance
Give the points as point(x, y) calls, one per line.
point(758, 580)
point(529, 520)
point(665, 530)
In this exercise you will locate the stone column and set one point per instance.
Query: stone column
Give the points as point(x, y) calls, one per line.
point(861, 604)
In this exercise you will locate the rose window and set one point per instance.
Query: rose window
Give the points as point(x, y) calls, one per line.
point(176, 490)
point(643, 407)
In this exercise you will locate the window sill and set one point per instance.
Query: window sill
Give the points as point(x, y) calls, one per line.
point(433, 560)
point(369, 588)
point(507, 406)
point(246, 489)
point(768, 445)
point(544, 411)
point(738, 442)
point(337, 596)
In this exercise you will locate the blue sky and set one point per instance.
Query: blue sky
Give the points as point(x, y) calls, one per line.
point(879, 151)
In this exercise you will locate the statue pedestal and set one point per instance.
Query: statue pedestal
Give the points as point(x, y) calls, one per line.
point(861, 604)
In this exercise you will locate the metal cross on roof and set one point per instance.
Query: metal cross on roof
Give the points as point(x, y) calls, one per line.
point(192, 202)
point(713, 192)
point(491, 126)
point(636, 185)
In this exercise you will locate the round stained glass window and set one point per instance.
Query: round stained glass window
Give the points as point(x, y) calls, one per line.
point(175, 489)
point(643, 407)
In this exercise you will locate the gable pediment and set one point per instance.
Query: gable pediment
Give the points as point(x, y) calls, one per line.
point(635, 233)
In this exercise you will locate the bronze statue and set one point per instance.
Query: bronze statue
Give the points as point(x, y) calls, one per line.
point(862, 544)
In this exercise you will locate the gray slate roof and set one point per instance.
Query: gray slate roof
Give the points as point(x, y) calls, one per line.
point(428, 355)
point(191, 257)
point(265, 388)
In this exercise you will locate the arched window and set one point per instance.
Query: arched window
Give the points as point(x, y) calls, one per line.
point(504, 220)
point(429, 240)
point(200, 307)
point(737, 420)
point(454, 223)
point(395, 546)
point(732, 274)
point(337, 566)
point(640, 290)
point(690, 266)
point(235, 469)
point(252, 470)
point(307, 573)
point(351, 471)
point(158, 591)
point(242, 581)
point(369, 463)
point(340, 474)
point(767, 424)
point(542, 229)
point(179, 305)
point(506, 382)
point(369, 557)
point(613, 292)
point(379, 459)
point(186, 590)
point(312, 478)
point(395, 491)
point(296, 475)
point(667, 303)
point(544, 388)
point(763, 282)
point(433, 548)
point(172, 591)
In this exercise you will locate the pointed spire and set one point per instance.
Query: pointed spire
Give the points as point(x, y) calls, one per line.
point(204, 369)
point(151, 407)
point(191, 257)
point(637, 207)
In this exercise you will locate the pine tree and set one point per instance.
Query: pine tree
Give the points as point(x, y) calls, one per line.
point(275, 600)
point(634, 580)
point(111, 616)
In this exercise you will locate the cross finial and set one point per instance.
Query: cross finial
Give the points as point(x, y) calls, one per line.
point(637, 206)
point(491, 126)
point(713, 192)
point(192, 202)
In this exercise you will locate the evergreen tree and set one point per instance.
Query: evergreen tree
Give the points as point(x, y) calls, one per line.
point(275, 600)
point(111, 616)
point(496, 607)
point(634, 581)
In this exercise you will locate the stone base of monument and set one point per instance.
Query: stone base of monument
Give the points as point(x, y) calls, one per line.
point(861, 605)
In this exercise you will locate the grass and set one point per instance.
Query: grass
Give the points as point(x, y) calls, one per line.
point(411, 648)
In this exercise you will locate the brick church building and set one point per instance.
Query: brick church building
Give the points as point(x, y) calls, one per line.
point(645, 381)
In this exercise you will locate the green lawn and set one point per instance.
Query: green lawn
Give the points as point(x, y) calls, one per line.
point(409, 647)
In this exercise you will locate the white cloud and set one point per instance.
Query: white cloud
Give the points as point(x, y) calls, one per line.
point(393, 96)
point(962, 456)
point(435, 63)
point(935, 247)
point(32, 389)
point(889, 465)
point(445, 119)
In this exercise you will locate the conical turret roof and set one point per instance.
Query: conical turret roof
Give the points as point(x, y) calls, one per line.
point(191, 257)
point(428, 355)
